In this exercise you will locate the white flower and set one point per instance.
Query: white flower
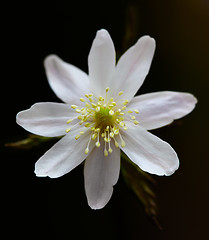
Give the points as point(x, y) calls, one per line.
point(100, 116)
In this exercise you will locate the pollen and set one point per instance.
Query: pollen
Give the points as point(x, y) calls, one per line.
point(106, 117)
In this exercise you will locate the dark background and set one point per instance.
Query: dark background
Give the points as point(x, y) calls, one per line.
point(45, 208)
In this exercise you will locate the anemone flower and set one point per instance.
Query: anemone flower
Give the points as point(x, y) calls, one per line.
point(100, 116)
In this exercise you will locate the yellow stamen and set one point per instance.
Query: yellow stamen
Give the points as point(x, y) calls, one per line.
point(94, 136)
point(73, 106)
point(105, 152)
point(125, 102)
point(123, 144)
point(136, 122)
point(67, 130)
point(88, 105)
point(101, 99)
point(77, 137)
point(69, 121)
point(87, 150)
point(112, 135)
point(105, 116)
point(87, 125)
point(116, 144)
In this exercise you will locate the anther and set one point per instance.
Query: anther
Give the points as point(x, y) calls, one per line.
point(80, 117)
point(69, 121)
point(77, 136)
point(116, 131)
point(73, 106)
point(110, 150)
point(116, 143)
point(87, 150)
point(122, 124)
point(136, 111)
point(107, 89)
point(93, 136)
point(112, 135)
point(123, 144)
point(93, 105)
point(105, 152)
point(97, 129)
point(135, 122)
point(125, 102)
point(87, 124)
point(120, 93)
point(82, 99)
point(67, 130)
point(88, 105)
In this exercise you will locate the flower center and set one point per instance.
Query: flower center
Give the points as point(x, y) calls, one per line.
point(105, 117)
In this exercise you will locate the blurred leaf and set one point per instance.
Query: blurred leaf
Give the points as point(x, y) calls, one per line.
point(131, 26)
point(30, 142)
point(141, 183)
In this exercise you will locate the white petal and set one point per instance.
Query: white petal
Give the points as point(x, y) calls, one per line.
point(67, 81)
point(64, 156)
point(133, 67)
point(161, 108)
point(101, 62)
point(101, 174)
point(149, 152)
point(46, 119)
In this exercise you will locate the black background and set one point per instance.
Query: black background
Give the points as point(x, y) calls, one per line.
point(57, 208)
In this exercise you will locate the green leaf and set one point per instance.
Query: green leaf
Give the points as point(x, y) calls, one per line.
point(141, 183)
point(30, 142)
